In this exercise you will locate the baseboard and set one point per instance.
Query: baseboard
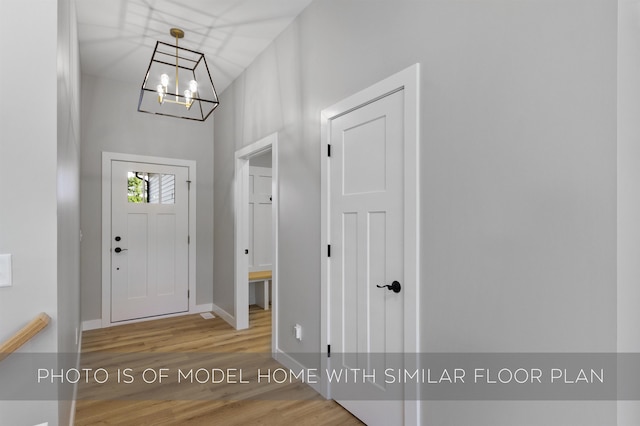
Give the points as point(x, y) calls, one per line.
point(294, 365)
point(224, 315)
point(205, 307)
point(72, 416)
point(97, 323)
point(91, 325)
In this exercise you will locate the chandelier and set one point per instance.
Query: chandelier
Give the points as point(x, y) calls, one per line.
point(172, 69)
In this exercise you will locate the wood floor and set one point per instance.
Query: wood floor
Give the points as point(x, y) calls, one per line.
point(193, 341)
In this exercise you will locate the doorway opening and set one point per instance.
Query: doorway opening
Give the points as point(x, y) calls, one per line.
point(256, 204)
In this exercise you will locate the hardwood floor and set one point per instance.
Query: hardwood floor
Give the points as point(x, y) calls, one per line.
point(191, 341)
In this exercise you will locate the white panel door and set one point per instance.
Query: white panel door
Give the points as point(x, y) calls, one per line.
point(366, 236)
point(260, 219)
point(149, 240)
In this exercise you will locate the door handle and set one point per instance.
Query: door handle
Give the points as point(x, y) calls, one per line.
point(394, 286)
point(118, 249)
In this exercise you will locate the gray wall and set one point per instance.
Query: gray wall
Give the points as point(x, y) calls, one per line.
point(628, 190)
point(28, 225)
point(39, 169)
point(111, 123)
point(518, 163)
point(262, 160)
point(68, 209)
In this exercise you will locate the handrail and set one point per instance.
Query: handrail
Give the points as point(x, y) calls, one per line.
point(24, 335)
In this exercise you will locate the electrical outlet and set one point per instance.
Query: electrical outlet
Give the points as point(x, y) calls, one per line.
point(297, 331)
point(5, 270)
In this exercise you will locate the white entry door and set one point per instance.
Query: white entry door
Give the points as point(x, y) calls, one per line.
point(149, 240)
point(366, 229)
point(260, 238)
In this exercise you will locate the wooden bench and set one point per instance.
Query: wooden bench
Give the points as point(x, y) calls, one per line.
point(262, 297)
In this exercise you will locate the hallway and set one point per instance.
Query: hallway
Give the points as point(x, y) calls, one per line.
point(168, 342)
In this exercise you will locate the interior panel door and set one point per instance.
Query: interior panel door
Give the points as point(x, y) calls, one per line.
point(366, 234)
point(260, 246)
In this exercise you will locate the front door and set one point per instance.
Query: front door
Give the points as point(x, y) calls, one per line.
point(149, 240)
point(366, 235)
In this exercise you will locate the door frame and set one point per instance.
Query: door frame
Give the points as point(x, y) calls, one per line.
point(107, 158)
point(409, 81)
point(241, 232)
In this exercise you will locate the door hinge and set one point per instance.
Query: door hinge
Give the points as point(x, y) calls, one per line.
point(188, 185)
point(329, 250)
point(328, 351)
point(188, 294)
point(329, 150)
point(188, 239)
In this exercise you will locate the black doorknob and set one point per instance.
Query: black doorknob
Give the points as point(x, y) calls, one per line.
point(394, 286)
point(117, 238)
point(118, 249)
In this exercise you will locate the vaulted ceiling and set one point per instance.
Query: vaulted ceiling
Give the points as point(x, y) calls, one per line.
point(117, 37)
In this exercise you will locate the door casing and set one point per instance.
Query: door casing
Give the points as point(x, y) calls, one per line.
point(409, 81)
point(107, 158)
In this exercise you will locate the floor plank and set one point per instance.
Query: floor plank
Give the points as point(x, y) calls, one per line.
point(174, 341)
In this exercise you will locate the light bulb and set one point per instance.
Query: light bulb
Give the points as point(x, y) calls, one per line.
point(160, 90)
point(188, 100)
point(193, 86)
point(164, 79)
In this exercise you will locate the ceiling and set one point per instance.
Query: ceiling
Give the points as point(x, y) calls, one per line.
point(117, 37)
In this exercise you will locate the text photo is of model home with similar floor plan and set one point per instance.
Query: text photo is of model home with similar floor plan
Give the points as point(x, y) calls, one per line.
point(433, 190)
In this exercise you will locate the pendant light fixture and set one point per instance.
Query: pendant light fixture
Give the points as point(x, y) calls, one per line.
point(178, 83)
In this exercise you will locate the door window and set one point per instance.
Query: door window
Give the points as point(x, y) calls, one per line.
point(151, 188)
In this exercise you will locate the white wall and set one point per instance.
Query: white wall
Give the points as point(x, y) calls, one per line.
point(39, 212)
point(111, 122)
point(518, 185)
point(628, 189)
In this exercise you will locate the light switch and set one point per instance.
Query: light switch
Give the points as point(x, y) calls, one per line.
point(5, 270)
